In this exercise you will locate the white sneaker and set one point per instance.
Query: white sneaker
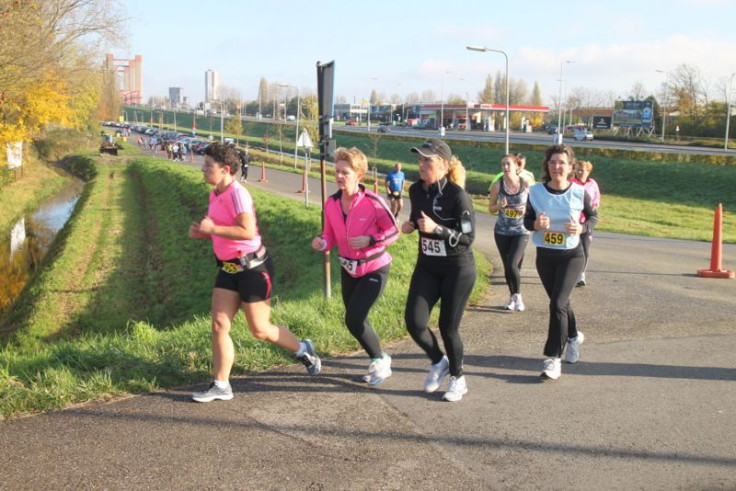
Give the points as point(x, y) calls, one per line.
point(581, 280)
point(437, 373)
point(458, 388)
point(378, 371)
point(552, 369)
point(518, 303)
point(572, 350)
point(511, 304)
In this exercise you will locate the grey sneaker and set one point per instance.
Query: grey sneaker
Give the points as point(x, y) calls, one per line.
point(572, 351)
point(213, 393)
point(378, 371)
point(310, 359)
point(458, 388)
point(437, 373)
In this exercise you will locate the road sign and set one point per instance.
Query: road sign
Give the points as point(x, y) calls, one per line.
point(304, 140)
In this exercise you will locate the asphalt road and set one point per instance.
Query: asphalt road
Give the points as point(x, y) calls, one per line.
point(544, 139)
point(650, 405)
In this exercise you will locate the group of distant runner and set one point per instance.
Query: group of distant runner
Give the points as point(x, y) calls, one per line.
point(558, 214)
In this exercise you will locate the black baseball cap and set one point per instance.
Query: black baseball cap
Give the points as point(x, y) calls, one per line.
point(432, 147)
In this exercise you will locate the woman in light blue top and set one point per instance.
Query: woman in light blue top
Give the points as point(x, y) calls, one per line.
point(553, 214)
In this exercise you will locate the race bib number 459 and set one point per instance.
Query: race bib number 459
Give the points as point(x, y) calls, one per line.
point(554, 238)
point(433, 247)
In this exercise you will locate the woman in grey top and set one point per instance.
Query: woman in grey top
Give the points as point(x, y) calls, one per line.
point(508, 199)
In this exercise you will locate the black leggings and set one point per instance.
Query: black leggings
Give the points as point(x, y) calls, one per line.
point(452, 283)
point(559, 271)
point(511, 248)
point(359, 295)
point(585, 241)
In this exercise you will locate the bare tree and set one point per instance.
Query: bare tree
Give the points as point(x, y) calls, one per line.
point(637, 92)
point(688, 92)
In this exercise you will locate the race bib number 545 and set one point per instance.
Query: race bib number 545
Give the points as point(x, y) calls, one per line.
point(433, 247)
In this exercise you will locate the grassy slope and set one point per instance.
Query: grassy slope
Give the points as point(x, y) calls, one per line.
point(132, 293)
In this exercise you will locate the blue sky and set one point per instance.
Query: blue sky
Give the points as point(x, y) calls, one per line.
point(399, 47)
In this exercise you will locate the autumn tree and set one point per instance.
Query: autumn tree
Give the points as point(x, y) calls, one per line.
point(234, 126)
point(488, 94)
point(48, 72)
point(536, 119)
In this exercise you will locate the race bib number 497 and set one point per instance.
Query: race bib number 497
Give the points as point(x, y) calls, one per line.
point(433, 247)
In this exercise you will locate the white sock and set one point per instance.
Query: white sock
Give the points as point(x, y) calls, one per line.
point(302, 349)
point(220, 384)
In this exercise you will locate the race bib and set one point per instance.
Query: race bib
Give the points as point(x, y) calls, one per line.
point(512, 213)
point(554, 238)
point(349, 265)
point(433, 247)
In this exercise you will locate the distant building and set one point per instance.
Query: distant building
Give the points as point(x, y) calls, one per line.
point(211, 86)
point(128, 77)
point(176, 97)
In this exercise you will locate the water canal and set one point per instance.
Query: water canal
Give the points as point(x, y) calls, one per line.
point(30, 238)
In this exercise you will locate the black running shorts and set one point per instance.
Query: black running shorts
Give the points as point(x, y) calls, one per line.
point(253, 285)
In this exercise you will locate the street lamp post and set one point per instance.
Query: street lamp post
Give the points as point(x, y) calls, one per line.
point(728, 113)
point(298, 110)
point(369, 107)
point(508, 121)
point(560, 131)
point(442, 100)
point(664, 100)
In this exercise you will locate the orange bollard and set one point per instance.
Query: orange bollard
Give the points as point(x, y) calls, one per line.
point(263, 172)
point(716, 251)
point(304, 181)
point(375, 180)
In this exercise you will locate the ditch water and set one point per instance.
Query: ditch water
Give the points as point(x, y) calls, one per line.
point(29, 239)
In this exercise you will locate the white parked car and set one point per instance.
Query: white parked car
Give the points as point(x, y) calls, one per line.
point(583, 135)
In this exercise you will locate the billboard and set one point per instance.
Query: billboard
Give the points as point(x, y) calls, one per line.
point(632, 113)
point(602, 122)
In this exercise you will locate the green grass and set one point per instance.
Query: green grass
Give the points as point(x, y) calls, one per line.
point(122, 303)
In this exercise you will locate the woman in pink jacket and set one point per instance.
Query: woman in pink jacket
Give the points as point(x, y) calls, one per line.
point(360, 223)
point(582, 170)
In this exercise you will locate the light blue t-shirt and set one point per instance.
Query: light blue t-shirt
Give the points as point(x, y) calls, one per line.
point(561, 210)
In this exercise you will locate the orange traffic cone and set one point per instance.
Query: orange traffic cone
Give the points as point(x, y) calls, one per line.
point(715, 270)
point(304, 181)
point(263, 172)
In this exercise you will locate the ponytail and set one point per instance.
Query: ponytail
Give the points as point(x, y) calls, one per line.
point(456, 172)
